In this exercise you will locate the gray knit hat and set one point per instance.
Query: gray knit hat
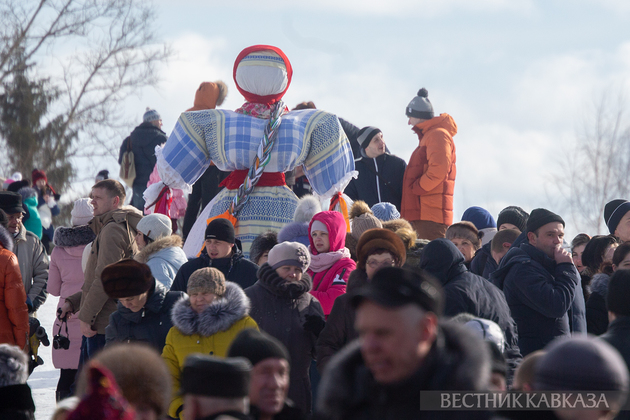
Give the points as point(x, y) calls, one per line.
point(289, 253)
point(207, 279)
point(82, 212)
point(151, 115)
point(155, 226)
point(420, 106)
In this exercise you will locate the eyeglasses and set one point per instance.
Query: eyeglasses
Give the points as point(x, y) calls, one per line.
point(378, 264)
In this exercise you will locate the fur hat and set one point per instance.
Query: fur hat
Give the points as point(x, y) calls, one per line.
point(420, 106)
point(13, 365)
point(513, 215)
point(155, 226)
point(126, 278)
point(613, 212)
point(263, 243)
point(290, 253)
point(216, 376)
point(404, 230)
point(385, 211)
point(362, 219)
point(374, 239)
point(257, 346)
point(11, 202)
point(464, 230)
point(307, 207)
point(207, 279)
point(540, 217)
point(82, 212)
point(151, 115)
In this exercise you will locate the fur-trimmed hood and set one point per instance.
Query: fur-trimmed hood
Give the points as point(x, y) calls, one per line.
point(270, 280)
point(294, 232)
point(73, 236)
point(5, 239)
point(172, 241)
point(219, 316)
point(599, 285)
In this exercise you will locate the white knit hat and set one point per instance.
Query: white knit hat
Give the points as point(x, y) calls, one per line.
point(155, 226)
point(82, 212)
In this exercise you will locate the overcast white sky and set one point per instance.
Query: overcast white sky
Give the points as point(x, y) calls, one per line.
point(517, 76)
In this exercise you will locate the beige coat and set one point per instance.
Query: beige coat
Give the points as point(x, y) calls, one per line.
point(114, 241)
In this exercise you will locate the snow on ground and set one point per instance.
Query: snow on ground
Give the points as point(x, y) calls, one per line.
point(43, 381)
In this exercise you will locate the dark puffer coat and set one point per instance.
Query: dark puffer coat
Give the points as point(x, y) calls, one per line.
point(380, 180)
point(143, 138)
point(458, 360)
point(149, 325)
point(339, 329)
point(236, 268)
point(483, 264)
point(466, 292)
point(540, 294)
point(280, 307)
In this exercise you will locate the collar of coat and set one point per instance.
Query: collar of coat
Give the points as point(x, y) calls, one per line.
point(73, 236)
point(172, 241)
point(219, 316)
point(126, 213)
point(270, 280)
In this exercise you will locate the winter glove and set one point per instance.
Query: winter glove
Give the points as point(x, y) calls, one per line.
point(314, 324)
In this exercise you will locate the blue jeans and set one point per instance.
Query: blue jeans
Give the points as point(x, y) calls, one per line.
point(89, 347)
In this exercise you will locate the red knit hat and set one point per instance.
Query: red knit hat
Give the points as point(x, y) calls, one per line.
point(37, 175)
point(262, 74)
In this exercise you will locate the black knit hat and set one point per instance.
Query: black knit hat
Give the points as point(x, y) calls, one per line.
point(263, 243)
point(11, 202)
point(257, 346)
point(221, 230)
point(513, 215)
point(365, 136)
point(540, 217)
point(215, 376)
point(619, 293)
point(126, 278)
point(394, 287)
point(613, 212)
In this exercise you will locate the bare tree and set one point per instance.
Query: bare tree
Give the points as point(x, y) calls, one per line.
point(95, 53)
point(597, 169)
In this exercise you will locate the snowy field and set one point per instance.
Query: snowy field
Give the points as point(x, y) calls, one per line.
point(43, 381)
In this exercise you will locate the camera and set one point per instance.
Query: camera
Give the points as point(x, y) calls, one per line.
point(61, 342)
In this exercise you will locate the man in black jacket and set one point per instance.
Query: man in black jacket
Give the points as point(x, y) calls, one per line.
point(143, 140)
point(223, 252)
point(466, 292)
point(541, 284)
point(380, 174)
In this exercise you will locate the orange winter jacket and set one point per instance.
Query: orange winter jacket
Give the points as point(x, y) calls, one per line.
point(429, 180)
point(13, 311)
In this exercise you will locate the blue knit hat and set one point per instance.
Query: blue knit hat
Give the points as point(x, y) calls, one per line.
point(479, 217)
point(385, 211)
point(151, 115)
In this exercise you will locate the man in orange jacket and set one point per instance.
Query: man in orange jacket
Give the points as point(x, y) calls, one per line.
point(429, 181)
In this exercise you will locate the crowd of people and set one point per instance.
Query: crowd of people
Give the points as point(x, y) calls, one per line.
point(317, 275)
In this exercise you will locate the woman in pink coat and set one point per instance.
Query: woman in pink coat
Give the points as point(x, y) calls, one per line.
point(65, 278)
point(331, 264)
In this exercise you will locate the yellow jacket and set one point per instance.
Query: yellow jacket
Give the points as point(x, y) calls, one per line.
point(210, 332)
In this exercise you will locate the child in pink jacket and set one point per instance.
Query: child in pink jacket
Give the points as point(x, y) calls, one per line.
point(331, 264)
